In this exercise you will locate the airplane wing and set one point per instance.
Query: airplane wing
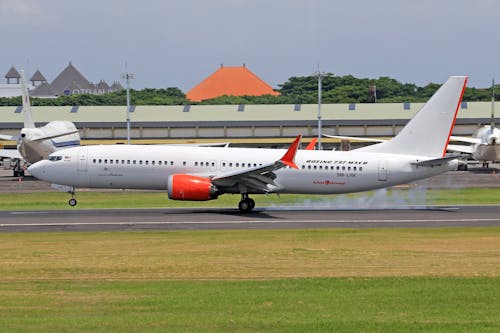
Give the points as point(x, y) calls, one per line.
point(261, 178)
point(10, 153)
point(460, 149)
point(465, 139)
point(9, 137)
point(341, 137)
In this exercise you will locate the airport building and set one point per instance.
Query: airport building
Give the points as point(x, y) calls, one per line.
point(69, 82)
point(231, 81)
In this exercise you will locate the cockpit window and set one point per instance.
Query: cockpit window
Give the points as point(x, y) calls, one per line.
point(55, 158)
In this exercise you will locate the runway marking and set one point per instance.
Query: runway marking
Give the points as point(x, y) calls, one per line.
point(239, 222)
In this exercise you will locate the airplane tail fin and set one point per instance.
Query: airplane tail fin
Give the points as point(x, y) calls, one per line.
point(28, 121)
point(428, 132)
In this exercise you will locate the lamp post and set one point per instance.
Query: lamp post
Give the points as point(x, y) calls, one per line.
point(127, 77)
point(320, 76)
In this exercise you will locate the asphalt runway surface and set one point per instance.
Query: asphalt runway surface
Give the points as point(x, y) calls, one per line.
point(270, 218)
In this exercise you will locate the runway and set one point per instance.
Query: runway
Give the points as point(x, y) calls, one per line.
point(225, 219)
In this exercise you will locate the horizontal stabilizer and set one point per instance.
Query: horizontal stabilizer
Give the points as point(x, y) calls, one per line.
point(9, 137)
point(466, 139)
point(341, 137)
point(460, 149)
point(436, 161)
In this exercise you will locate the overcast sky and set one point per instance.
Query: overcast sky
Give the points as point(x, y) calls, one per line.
point(177, 43)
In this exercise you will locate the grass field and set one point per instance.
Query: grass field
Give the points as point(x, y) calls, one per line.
point(346, 280)
point(135, 199)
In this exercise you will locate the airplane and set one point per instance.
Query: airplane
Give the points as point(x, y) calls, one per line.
point(36, 143)
point(485, 141)
point(204, 173)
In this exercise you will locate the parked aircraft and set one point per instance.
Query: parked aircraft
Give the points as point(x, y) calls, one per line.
point(204, 173)
point(485, 141)
point(36, 143)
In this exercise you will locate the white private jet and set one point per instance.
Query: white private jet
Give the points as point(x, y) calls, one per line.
point(204, 173)
point(485, 141)
point(36, 143)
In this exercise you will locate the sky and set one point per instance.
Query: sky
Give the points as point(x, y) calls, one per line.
point(178, 43)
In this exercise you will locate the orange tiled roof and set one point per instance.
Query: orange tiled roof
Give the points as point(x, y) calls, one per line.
point(233, 81)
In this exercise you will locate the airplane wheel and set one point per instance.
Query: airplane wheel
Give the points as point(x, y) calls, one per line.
point(246, 205)
point(72, 202)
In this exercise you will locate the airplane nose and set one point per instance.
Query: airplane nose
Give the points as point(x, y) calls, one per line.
point(38, 169)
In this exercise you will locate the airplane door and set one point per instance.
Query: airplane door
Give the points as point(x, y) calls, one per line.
point(82, 160)
point(382, 170)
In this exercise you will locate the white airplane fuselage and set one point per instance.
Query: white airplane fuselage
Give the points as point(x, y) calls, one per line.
point(149, 167)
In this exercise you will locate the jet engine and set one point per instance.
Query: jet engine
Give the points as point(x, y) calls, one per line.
point(189, 187)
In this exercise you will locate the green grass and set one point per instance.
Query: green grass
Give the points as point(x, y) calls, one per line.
point(288, 305)
point(134, 199)
point(341, 280)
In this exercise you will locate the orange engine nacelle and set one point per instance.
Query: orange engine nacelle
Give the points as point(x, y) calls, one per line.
point(189, 187)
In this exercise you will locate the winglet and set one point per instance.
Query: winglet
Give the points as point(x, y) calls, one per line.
point(290, 153)
point(312, 144)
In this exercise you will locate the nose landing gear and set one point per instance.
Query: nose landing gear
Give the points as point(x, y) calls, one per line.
point(246, 204)
point(72, 202)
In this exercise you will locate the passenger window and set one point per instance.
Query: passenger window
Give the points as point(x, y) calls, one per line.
point(93, 161)
point(360, 168)
point(105, 161)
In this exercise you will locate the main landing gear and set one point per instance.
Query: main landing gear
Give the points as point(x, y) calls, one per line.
point(72, 202)
point(246, 204)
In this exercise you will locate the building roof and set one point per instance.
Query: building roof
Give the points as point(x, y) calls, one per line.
point(38, 77)
point(12, 74)
point(69, 76)
point(44, 90)
point(233, 81)
point(102, 85)
point(116, 86)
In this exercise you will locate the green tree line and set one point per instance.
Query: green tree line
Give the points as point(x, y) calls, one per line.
point(297, 90)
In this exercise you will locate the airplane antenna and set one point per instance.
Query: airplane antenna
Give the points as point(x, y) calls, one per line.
point(320, 76)
point(127, 77)
point(493, 104)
